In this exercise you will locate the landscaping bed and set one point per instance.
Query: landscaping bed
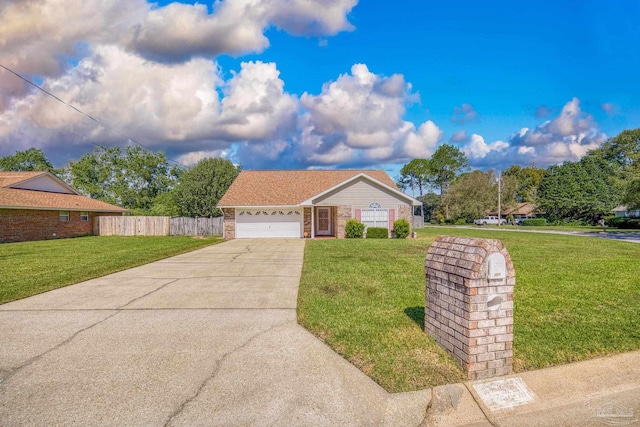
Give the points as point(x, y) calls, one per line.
point(575, 298)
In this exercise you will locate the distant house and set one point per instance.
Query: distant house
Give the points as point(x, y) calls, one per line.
point(39, 206)
point(521, 210)
point(311, 203)
point(622, 212)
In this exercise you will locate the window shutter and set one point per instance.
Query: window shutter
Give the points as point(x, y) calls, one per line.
point(392, 218)
point(359, 214)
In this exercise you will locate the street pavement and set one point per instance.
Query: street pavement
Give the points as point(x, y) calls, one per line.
point(210, 338)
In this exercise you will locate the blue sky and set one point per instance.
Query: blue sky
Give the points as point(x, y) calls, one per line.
point(275, 84)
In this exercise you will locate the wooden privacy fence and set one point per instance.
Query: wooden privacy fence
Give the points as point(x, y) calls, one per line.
point(156, 226)
point(184, 226)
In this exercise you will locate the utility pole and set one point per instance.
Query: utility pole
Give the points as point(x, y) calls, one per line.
point(499, 198)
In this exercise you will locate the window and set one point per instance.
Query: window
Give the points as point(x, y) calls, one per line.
point(64, 216)
point(375, 217)
point(84, 216)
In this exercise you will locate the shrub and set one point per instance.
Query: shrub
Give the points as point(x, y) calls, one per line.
point(354, 229)
point(534, 222)
point(401, 228)
point(377, 233)
point(623, 223)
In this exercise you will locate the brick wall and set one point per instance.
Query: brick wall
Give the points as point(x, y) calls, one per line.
point(307, 222)
point(467, 312)
point(405, 212)
point(20, 225)
point(229, 223)
point(343, 214)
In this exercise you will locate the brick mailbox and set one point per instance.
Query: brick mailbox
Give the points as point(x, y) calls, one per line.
point(469, 303)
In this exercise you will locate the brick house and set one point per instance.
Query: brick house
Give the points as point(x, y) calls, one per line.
point(40, 206)
point(311, 203)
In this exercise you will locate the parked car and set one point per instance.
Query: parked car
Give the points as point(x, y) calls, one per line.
point(490, 220)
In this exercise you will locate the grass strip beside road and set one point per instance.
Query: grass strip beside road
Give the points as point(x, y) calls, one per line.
point(30, 268)
point(575, 298)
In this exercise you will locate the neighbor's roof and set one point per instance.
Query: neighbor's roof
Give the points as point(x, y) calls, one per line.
point(290, 188)
point(21, 198)
point(521, 209)
point(10, 178)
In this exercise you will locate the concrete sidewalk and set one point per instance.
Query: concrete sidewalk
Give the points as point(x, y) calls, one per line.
point(598, 392)
point(211, 338)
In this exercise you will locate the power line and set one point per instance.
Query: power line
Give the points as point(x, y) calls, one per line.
point(87, 116)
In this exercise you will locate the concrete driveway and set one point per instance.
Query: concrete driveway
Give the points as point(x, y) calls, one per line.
point(205, 338)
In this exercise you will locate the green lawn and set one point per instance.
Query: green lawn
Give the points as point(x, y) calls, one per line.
point(29, 268)
point(575, 298)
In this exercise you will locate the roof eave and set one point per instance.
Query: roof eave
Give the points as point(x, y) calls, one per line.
point(74, 209)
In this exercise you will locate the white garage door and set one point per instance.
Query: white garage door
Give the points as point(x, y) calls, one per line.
point(252, 223)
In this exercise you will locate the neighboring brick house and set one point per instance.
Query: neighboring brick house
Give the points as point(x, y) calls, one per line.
point(311, 203)
point(39, 206)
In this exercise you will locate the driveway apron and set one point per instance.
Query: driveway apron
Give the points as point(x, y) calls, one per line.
point(204, 338)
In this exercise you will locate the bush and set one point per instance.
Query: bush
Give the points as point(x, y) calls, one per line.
point(377, 233)
point(401, 228)
point(623, 223)
point(534, 222)
point(354, 229)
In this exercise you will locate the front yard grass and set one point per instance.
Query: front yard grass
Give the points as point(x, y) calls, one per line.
point(575, 298)
point(30, 268)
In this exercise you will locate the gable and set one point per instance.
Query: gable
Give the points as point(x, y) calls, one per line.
point(43, 182)
point(360, 193)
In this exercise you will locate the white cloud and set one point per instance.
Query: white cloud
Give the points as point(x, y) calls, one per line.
point(176, 108)
point(526, 150)
point(37, 38)
point(151, 101)
point(566, 137)
point(358, 118)
point(255, 106)
point(477, 148)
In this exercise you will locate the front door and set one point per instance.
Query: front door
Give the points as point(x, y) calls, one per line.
point(323, 222)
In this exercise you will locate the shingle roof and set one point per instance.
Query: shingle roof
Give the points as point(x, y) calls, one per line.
point(289, 188)
point(15, 198)
point(9, 178)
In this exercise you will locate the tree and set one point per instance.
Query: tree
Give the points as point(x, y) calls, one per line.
point(133, 179)
point(475, 194)
point(201, 187)
point(416, 173)
point(430, 204)
point(527, 181)
point(579, 191)
point(623, 152)
point(445, 165)
point(32, 159)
